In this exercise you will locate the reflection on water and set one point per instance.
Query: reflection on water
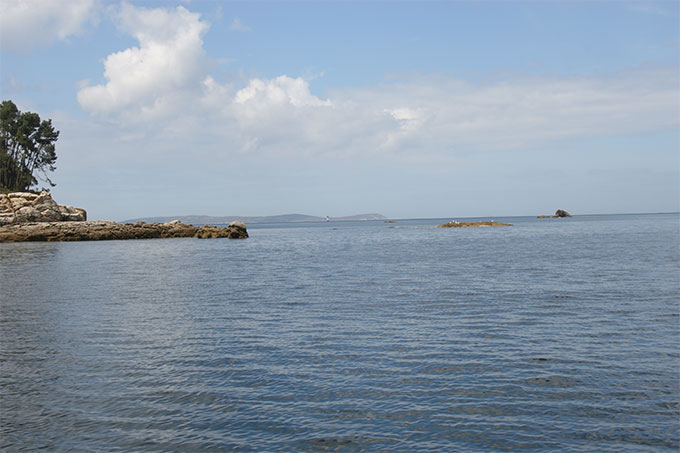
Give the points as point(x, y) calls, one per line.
point(550, 335)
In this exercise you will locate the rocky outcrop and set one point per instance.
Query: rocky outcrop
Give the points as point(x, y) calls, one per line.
point(455, 224)
point(22, 207)
point(28, 216)
point(107, 230)
point(238, 230)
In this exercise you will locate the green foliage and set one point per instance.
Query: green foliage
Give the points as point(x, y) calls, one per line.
point(26, 148)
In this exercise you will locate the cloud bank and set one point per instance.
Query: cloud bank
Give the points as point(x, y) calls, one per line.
point(166, 79)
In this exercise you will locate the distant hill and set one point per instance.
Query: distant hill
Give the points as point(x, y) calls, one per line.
point(284, 218)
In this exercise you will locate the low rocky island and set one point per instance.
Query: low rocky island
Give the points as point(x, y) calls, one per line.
point(37, 217)
point(455, 224)
point(558, 214)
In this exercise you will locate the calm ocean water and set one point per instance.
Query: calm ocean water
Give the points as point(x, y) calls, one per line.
point(560, 335)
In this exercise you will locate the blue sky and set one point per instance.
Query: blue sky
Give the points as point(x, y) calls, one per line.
point(410, 109)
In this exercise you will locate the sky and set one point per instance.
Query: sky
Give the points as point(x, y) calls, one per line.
point(408, 109)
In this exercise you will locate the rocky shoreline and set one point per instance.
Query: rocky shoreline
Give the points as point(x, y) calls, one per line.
point(455, 224)
point(107, 230)
point(26, 216)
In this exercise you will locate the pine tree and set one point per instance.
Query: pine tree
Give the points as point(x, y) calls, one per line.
point(26, 148)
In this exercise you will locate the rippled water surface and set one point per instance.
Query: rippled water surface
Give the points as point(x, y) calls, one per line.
point(547, 335)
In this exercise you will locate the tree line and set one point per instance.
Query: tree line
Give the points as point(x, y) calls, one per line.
point(27, 151)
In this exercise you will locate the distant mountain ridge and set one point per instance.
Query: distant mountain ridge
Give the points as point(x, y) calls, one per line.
point(284, 218)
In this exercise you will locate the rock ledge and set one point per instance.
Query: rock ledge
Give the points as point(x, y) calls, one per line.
point(26, 216)
point(107, 230)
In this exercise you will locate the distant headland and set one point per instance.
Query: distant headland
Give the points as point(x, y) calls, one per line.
point(284, 218)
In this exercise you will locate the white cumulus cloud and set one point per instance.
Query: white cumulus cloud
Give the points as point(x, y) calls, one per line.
point(280, 110)
point(153, 78)
point(26, 24)
point(262, 96)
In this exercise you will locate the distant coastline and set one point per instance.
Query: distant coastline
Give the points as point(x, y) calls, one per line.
point(284, 218)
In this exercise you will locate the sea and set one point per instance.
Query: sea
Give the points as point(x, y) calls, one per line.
point(548, 335)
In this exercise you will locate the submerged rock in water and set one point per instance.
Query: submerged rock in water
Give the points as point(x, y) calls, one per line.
point(107, 230)
point(455, 224)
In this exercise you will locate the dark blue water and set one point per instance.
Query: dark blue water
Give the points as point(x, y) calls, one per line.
point(559, 335)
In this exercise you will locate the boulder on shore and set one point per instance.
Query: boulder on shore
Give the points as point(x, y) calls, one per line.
point(22, 207)
point(107, 230)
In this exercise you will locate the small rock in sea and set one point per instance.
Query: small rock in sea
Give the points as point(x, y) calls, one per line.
point(456, 224)
point(237, 230)
point(561, 213)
